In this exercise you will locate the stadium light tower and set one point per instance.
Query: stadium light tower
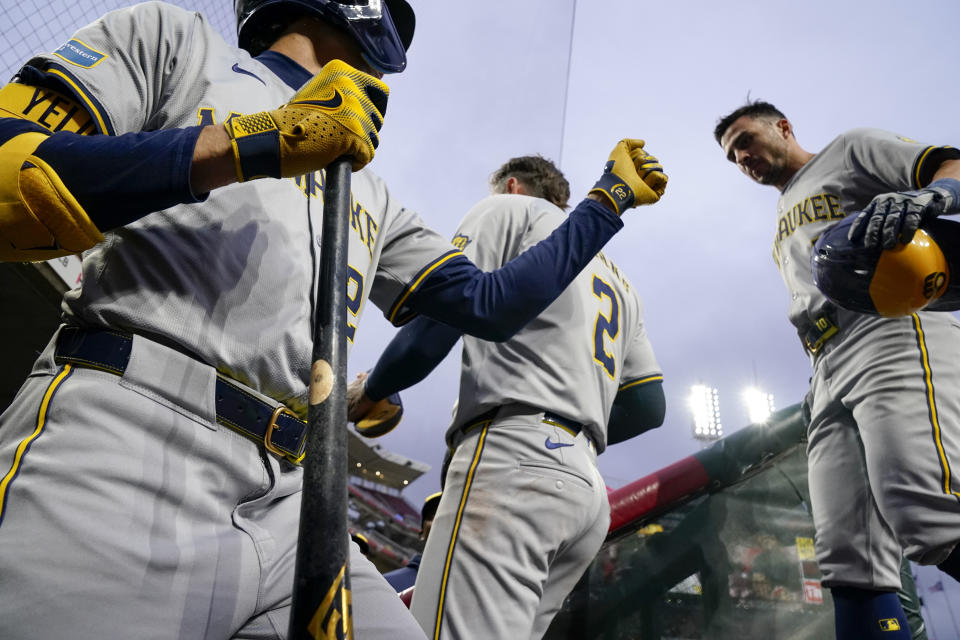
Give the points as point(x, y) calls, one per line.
point(759, 404)
point(705, 405)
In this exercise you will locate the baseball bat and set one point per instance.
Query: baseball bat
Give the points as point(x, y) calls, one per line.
point(321, 606)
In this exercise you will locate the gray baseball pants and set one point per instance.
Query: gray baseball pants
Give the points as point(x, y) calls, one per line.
point(127, 512)
point(884, 447)
point(517, 525)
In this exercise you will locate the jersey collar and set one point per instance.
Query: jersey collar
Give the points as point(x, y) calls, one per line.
point(284, 68)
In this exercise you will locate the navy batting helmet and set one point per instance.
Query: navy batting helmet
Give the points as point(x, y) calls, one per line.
point(922, 274)
point(383, 28)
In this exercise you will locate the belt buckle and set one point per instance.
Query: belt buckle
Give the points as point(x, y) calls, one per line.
point(280, 410)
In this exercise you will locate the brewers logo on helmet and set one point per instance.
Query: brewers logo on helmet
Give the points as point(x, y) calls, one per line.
point(893, 282)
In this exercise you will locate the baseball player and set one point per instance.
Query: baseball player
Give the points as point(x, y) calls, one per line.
point(149, 477)
point(884, 432)
point(524, 509)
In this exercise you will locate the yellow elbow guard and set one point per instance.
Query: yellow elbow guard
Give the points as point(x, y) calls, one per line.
point(39, 217)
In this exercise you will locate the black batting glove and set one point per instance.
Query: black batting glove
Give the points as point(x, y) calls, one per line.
point(895, 217)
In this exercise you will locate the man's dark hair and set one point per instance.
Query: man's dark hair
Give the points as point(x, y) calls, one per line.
point(757, 109)
point(540, 176)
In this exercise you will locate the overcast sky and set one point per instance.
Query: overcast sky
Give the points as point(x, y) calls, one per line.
point(494, 79)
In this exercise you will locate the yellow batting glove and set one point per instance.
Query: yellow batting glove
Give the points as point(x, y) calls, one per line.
point(339, 112)
point(631, 177)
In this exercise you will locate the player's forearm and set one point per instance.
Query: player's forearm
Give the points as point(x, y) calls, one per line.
point(414, 352)
point(604, 201)
point(214, 164)
point(947, 169)
point(636, 410)
point(495, 305)
point(119, 179)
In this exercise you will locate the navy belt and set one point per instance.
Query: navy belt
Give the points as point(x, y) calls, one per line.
point(572, 427)
point(277, 428)
point(822, 329)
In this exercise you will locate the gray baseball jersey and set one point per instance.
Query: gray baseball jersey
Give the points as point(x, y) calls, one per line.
point(524, 507)
point(884, 434)
point(574, 357)
point(843, 178)
point(135, 508)
point(231, 280)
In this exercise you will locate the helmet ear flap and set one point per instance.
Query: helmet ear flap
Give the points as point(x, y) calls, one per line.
point(894, 282)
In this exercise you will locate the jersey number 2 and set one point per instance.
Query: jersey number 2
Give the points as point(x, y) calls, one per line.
point(605, 324)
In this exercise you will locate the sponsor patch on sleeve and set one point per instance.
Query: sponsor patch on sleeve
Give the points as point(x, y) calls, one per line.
point(80, 54)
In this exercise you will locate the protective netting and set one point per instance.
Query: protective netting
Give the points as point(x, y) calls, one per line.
point(28, 27)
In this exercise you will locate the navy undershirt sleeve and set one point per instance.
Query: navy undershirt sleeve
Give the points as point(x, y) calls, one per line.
point(495, 305)
point(636, 410)
point(414, 352)
point(119, 179)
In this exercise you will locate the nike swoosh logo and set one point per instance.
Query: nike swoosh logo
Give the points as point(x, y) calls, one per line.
point(329, 103)
point(236, 67)
point(550, 444)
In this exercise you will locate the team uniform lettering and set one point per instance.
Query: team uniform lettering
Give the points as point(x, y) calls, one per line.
point(608, 263)
point(205, 117)
point(605, 324)
point(833, 206)
point(355, 224)
point(372, 227)
point(354, 299)
point(817, 208)
point(38, 97)
point(47, 108)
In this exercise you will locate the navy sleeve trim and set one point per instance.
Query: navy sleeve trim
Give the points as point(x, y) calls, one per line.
point(641, 381)
point(119, 179)
point(58, 77)
point(399, 314)
point(495, 305)
point(929, 161)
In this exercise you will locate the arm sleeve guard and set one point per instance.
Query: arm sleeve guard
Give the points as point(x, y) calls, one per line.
point(635, 410)
point(39, 217)
point(412, 354)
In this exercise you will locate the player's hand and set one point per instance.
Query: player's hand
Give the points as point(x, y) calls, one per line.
point(358, 404)
point(339, 112)
point(631, 177)
point(372, 418)
point(895, 217)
